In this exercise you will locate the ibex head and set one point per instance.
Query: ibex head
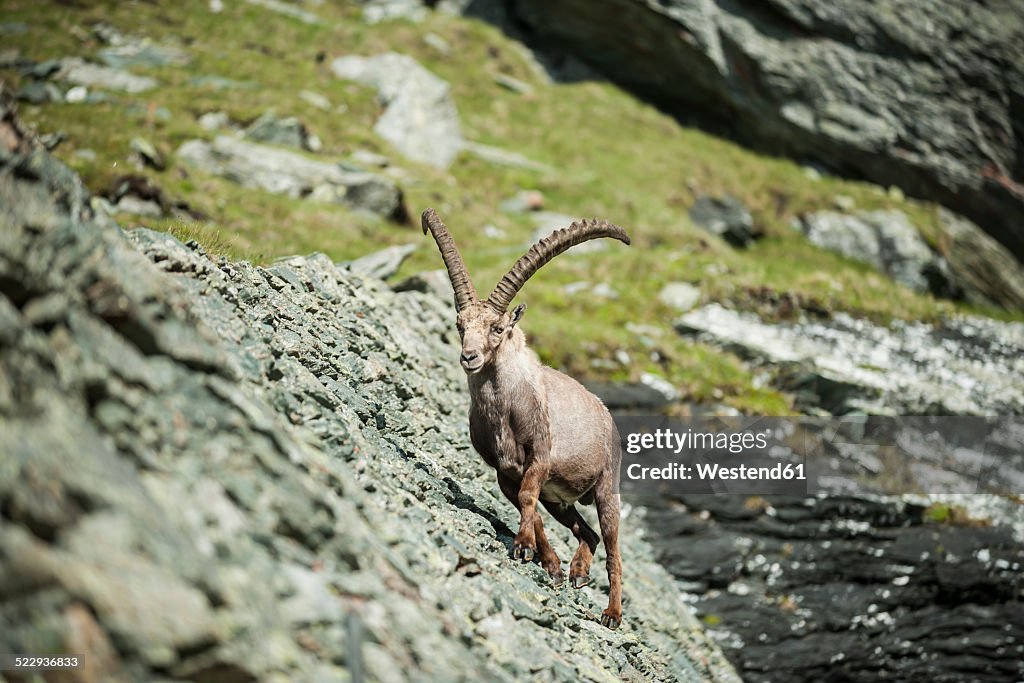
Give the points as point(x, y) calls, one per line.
point(485, 325)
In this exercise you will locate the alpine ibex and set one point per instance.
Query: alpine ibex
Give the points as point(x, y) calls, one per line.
point(548, 437)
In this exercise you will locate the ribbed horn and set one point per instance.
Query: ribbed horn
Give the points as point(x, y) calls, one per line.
point(545, 250)
point(457, 273)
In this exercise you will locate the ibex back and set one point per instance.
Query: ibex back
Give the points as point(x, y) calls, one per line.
point(550, 440)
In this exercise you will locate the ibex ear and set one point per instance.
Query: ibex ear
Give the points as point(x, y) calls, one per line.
point(517, 313)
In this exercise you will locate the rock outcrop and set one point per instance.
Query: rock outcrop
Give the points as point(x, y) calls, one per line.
point(216, 471)
point(965, 366)
point(283, 172)
point(925, 95)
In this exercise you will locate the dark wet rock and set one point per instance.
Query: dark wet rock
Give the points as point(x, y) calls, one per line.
point(287, 131)
point(282, 172)
point(77, 70)
point(925, 96)
point(217, 471)
point(883, 239)
point(848, 588)
point(726, 217)
point(986, 271)
point(651, 394)
point(420, 118)
point(382, 264)
point(964, 366)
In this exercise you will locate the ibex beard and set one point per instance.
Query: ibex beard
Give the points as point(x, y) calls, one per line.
point(550, 440)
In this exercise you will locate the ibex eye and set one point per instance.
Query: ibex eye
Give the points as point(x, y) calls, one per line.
point(497, 330)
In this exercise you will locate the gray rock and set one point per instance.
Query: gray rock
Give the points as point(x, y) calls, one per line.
point(883, 239)
point(985, 269)
point(139, 207)
point(726, 217)
point(316, 99)
point(548, 221)
point(505, 158)
point(433, 282)
point(39, 92)
point(382, 264)
point(513, 84)
point(282, 172)
point(214, 120)
point(143, 53)
point(288, 131)
point(919, 96)
point(420, 118)
point(523, 201)
point(679, 295)
point(76, 70)
point(965, 366)
point(221, 83)
point(288, 9)
point(377, 11)
point(149, 154)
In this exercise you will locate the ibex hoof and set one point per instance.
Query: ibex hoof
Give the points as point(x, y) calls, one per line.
point(611, 621)
point(579, 581)
point(557, 578)
point(522, 552)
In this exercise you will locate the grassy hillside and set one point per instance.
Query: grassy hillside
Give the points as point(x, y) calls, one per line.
point(615, 158)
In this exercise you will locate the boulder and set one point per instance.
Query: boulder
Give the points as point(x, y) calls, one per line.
point(921, 95)
point(725, 217)
point(282, 172)
point(884, 239)
point(287, 131)
point(419, 118)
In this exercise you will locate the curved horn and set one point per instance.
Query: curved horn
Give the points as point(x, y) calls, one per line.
point(545, 250)
point(457, 273)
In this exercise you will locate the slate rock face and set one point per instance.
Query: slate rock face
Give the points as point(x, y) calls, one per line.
point(216, 471)
point(925, 95)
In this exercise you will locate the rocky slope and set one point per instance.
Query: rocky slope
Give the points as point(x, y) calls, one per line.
point(217, 472)
point(924, 95)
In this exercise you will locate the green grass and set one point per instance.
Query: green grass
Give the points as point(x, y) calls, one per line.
point(616, 158)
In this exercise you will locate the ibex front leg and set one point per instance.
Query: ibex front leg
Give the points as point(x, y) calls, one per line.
point(548, 558)
point(525, 544)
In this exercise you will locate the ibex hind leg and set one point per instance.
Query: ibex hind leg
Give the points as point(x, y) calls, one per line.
point(570, 517)
point(545, 553)
point(608, 515)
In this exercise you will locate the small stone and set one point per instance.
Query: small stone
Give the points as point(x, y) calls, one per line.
point(726, 217)
point(527, 200)
point(513, 84)
point(384, 263)
point(214, 120)
point(77, 94)
point(316, 99)
point(679, 295)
